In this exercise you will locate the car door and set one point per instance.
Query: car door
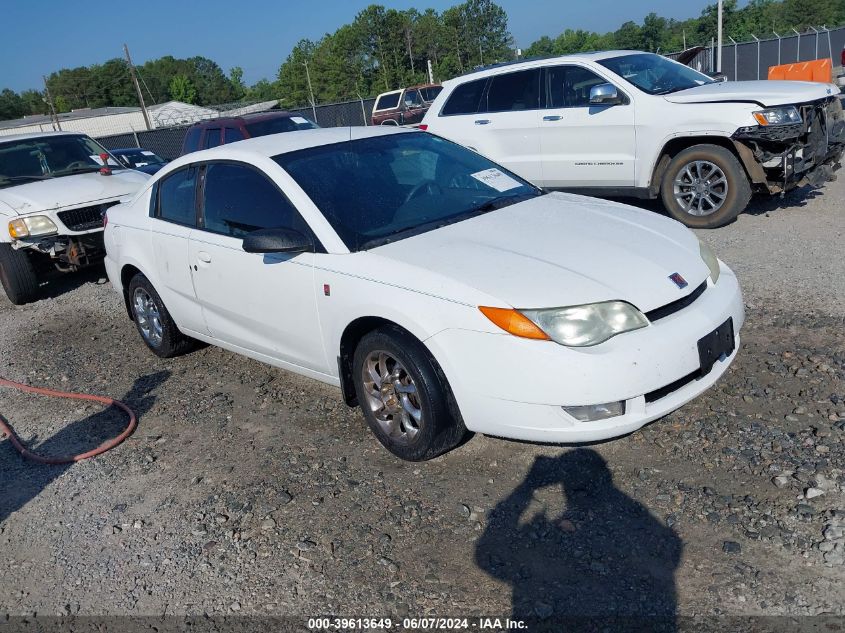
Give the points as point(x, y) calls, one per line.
point(264, 303)
point(507, 126)
point(585, 145)
point(173, 207)
point(414, 107)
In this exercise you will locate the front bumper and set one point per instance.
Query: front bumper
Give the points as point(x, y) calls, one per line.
point(516, 388)
point(782, 157)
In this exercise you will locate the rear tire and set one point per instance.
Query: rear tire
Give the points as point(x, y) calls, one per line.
point(705, 187)
point(422, 419)
point(17, 275)
point(155, 325)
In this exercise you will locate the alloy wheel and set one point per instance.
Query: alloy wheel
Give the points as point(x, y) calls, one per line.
point(700, 188)
point(392, 396)
point(148, 317)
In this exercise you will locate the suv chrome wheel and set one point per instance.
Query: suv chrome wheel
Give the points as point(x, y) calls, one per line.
point(700, 188)
point(148, 317)
point(392, 396)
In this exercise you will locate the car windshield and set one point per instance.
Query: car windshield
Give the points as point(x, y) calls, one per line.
point(33, 159)
point(140, 158)
point(655, 74)
point(381, 189)
point(279, 124)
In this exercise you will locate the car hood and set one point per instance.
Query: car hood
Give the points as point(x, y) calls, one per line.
point(69, 191)
point(767, 93)
point(558, 250)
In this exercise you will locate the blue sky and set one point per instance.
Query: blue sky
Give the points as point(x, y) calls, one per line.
point(40, 37)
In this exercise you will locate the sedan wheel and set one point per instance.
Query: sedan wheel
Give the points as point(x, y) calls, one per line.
point(392, 396)
point(404, 395)
point(148, 317)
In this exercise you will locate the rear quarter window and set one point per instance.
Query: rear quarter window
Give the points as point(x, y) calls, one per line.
point(465, 99)
point(192, 140)
point(387, 102)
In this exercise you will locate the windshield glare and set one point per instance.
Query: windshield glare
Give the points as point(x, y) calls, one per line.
point(47, 157)
point(380, 189)
point(655, 74)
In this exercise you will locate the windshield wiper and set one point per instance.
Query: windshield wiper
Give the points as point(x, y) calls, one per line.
point(5, 180)
point(78, 170)
point(505, 201)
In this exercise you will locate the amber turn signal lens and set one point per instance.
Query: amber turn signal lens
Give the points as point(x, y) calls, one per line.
point(514, 322)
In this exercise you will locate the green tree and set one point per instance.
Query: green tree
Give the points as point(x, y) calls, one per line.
point(182, 89)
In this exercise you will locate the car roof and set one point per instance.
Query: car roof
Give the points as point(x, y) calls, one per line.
point(32, 135)
point(285, 142)
point(533, 62)
point(244, 118)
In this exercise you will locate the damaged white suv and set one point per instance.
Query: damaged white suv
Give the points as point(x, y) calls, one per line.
point(54, 190)
point(636, 124)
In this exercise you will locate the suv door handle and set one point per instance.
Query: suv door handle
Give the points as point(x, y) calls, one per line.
point(482, 121)
point(552, 117)
point(204, 257)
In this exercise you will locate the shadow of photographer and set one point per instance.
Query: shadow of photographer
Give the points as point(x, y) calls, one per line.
point(602, 563)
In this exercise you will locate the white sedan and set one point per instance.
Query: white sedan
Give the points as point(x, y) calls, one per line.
point(439, 291)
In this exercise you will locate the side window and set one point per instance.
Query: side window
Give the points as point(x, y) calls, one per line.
point(514, 91)
point(192, 140)
point(232, 135)
point(212, 137)
point(177, 197)
point(465, 99)
point(569, 86)
point(238, 200)
point(413, 99)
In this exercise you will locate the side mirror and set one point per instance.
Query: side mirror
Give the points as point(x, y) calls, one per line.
point(717, 76)
point(277, 241)
point(604, 94)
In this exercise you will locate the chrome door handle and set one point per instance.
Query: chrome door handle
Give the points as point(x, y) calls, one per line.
point(552, 117)
point(482, 121)
point(204, 257)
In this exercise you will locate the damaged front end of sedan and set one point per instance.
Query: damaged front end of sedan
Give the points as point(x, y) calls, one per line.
point(782, 156)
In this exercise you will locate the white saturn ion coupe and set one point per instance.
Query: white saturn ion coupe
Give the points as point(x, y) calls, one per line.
point(439, 291)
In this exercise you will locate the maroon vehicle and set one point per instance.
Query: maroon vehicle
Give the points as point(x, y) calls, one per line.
point(405, 106)
point(214, 132)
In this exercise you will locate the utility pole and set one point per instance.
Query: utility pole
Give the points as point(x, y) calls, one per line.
point(54, 118)
point(310, 90)
point(137, 87)
point(719, 40)
point(430, 72)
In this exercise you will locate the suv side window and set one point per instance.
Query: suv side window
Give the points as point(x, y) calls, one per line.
point(514, 91)
point(232, 135)
point(413, 99)
point(237, 200)
point(192, 140)
point(176, 195)
point(212, 137)
point(465, 99)
point(569, 86)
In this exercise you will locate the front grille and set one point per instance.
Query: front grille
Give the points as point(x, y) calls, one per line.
point(85, 218)
point(676, 306)
point(657, 394)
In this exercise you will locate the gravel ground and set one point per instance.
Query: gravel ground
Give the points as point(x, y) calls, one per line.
point(250, 490)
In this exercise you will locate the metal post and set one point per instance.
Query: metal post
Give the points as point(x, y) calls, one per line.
point(363, 109)
point(758, 54)
point(137, 140)
point(736, 67)
point(430, 72)
point(54, 119)
point(817, 41)
point(798, 53)
point(310, 91)
point(829, 45)
point(778, 36)
point(137, 87)
point(719, 39)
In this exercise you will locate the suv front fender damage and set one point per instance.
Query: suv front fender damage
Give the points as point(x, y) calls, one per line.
point(780, 158)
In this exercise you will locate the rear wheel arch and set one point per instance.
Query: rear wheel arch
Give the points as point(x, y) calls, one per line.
point(126, 274)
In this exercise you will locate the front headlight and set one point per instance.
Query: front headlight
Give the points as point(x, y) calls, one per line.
point(778, 116)
point(585, 325)
point(710, 259)
point(32, 226)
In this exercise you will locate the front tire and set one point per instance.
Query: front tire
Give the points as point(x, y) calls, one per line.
point(154, 323)
point(705, 187)
point(17, 274)
point(404, 396)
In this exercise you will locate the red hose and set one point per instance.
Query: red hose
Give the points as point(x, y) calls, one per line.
point(7, 429)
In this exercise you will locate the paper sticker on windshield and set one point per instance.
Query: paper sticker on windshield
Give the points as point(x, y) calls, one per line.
point(496, 179)
point(147, 152)
point(299, 119)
